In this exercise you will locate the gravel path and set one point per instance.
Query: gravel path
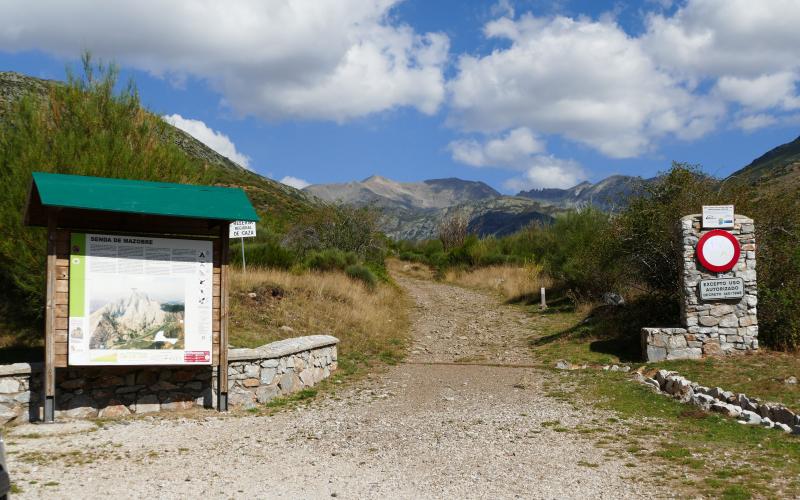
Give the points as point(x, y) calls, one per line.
point(418, 430)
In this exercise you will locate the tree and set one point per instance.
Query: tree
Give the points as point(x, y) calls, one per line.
point(453, 231)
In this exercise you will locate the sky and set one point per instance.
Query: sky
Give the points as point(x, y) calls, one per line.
point(523, 94)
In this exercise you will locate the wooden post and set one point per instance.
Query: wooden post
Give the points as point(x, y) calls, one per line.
point(543, 304)
point(222, 373)
point(50, 322)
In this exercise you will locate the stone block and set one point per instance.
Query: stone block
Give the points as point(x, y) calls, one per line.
point(251, 382)
point(708, 321)
point(685, 353)
point(267, 375)
point(269, 363)
point(729, 321)
point(114, 409)
point(147, 403)
point(252, 371)
point(266, 393)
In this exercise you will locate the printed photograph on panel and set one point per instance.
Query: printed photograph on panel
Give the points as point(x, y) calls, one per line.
point(137, 313)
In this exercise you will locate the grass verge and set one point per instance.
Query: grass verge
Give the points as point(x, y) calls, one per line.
point(687, 449)
point(370, 322)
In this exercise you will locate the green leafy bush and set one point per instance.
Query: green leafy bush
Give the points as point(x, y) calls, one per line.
point(362, 274)
point(330, 259)
point(83, 127)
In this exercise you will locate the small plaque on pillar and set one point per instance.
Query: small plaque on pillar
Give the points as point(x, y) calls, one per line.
point(722, 289)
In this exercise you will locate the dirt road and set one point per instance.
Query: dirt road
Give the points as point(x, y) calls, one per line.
point(418, 430)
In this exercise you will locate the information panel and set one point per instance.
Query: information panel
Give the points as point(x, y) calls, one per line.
point(727, 288)
point(140, 301)
point(717, 216)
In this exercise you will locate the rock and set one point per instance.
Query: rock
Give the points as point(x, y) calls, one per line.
point(791, 380)
point(147, 404)
point(252, 371)
point(286, 328)
point(251, 382)
point(703, 400)
point(625, 369)
point(653, 383)
point(307, 378)
point(266, 393)
point(9, 385)
point(708, 321)
point(783, 427)
point(766, 422)
point(252, 295)
point(726, 409)
point(178, 401)
point(783, 415)
point(286, 382)
point(114, 409)
point(746, 404)
point(80, 406)
point(614, 368)
point(267, 375)
point(613, 299)
point(750, 417)
point(563, 364)
point(270, 363)
point(240, 397)
point(655, 353)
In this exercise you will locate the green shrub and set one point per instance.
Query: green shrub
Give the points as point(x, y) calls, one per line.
point(84, 127)
point(362, 274)
point(264, 254)
point(330, 259)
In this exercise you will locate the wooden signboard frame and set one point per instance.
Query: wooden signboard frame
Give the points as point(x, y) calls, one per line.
point(61, 222)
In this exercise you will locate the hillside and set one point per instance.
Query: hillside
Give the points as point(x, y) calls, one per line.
point(383, 192)
point(778, 167)
point(607, 194)
point(413, 210)
point(280, 201)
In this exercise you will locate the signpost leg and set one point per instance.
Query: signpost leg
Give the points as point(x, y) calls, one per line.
point(543, 304)
point(222, 374)
point(50, 323)
point(244, 262)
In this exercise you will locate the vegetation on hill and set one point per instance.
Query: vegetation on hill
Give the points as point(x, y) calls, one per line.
point(777, 168)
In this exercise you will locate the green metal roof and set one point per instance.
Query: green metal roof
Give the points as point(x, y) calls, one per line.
point(143, 197)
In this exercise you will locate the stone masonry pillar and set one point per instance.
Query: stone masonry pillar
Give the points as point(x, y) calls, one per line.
point(721, 325)
point(712, 325)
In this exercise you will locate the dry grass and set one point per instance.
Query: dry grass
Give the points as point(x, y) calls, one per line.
point(369, 324)
point(411, 269)
point(511, 282)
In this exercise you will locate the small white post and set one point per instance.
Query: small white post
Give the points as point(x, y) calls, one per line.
point(543, 305)
point(244, 263)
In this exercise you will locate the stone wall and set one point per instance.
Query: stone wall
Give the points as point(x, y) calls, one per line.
point(279, 368)
point(710, 327)
point(254, 375)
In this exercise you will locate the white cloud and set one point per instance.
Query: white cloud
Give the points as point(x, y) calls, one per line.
point(749, 123)
point(727, 37)
point(511, 150)
point(547, 172)
point(217, 141)
point(762, 92)
point(519, 150)
point(276, 59)
point(585, 80)
point(295, 182)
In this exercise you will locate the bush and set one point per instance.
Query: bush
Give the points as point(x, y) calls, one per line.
point(84, 127)
point(362, 274)
point(330, 259)
point(269, 254)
